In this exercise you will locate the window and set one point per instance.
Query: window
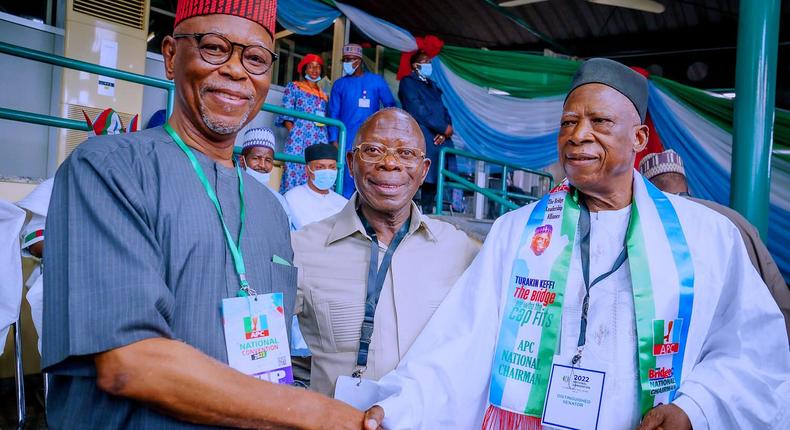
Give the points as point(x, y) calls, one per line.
point(42, 11)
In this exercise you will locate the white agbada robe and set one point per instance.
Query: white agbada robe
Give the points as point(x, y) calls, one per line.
point(11, 220)
point(308, 206)
point(37, 204)
point(737, 363)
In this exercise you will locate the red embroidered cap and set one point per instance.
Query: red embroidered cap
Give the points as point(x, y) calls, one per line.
point(264, 12)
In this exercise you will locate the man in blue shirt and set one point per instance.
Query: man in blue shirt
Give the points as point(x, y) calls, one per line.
point(420, 97)
point(146, 240)
point(355, 97)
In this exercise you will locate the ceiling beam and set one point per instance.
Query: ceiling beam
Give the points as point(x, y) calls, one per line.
point(518, 20)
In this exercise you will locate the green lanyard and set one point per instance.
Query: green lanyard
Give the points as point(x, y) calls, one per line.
point(235, 250)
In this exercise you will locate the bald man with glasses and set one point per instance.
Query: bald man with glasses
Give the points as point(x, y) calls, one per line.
point(372, 275)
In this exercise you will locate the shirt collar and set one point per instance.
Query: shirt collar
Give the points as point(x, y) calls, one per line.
point(419, 76)
point(347, 223)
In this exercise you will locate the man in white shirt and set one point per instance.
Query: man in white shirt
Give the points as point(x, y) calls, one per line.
point(315, 200)
point(607, 304)
point(257, 156)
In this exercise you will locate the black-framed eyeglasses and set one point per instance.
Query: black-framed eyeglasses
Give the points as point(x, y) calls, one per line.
point(216, 49)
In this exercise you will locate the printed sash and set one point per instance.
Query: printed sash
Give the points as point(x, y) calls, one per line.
point(532, 310)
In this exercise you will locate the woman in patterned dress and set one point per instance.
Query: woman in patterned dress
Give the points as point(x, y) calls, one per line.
point(306, 96)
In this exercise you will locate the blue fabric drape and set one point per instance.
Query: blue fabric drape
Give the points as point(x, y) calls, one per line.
point(308, 17)
point(709, 180)
point(531, 151)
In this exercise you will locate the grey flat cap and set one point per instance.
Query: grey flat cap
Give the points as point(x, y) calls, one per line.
point(617, 76)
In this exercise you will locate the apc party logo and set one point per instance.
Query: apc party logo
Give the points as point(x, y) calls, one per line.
point(256, 326)
point(541, 240)
point(666, 336)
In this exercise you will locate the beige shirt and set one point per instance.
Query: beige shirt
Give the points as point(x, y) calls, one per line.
point(333, 256)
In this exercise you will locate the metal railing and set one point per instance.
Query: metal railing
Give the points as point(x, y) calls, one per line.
point(501, 196)
point(169, 86)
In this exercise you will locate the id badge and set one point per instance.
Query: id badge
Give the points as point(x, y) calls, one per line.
point(256, 338)
point(364, 103)
point(320, 113)
point(359, 393)
point(573, 399)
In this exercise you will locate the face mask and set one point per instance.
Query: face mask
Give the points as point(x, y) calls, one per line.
point(263, 178)
point(312, 79)
point(348, 68)
point(426, 70)
point(324, 178)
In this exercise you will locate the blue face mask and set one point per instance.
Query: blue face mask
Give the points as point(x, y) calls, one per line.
point(324, 178)
point(426, 70)
point(348, 68)
point(312, 79)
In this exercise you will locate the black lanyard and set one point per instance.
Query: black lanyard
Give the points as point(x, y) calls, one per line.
point(376, 276)
point(584, 250)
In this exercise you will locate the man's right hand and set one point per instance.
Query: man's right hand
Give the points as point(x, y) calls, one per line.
point(179, 380)
point(374, 417)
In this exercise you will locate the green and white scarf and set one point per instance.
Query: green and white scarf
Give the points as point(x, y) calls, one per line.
point(658, 256)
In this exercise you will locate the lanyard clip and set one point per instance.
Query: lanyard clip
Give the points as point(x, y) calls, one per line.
point(244, 287)
point(578, 357)
point(358, 373)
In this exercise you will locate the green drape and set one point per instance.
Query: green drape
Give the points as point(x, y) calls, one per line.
point(521, 75)
point(719, 110)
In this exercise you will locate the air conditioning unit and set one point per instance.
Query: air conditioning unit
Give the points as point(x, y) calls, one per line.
point(108, 33)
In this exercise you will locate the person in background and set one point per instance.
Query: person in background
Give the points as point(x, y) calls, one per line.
point(420, 97)
point(257, 157)
point(316, 199)
point(305, 96)
point(665, 170)
point(340, 279)
point(107, 123)
point(36, 204)
point(11, 220)
point(355, 97)
point(158, 119)
point(147, 239)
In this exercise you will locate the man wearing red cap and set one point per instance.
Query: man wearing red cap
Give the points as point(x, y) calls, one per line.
point(306, 96)
point(146, 250)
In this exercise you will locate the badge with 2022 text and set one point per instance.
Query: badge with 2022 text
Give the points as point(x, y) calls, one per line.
point(573, 399)
point(256, 337)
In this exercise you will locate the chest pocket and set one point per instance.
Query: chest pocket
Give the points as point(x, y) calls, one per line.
point(337, 299)
point(339, 320)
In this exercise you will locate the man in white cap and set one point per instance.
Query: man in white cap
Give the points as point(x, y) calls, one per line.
point(355, 97)
point(258, 157)
point(665, 170)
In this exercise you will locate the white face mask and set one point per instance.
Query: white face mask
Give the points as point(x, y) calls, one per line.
point(263, 178)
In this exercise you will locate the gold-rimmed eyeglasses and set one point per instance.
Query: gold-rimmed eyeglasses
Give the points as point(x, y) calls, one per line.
point(216, 49)
point(373, 152)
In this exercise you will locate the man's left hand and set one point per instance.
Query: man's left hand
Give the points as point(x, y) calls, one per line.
point(374, 417)
point(665, 417)
point(449, 131)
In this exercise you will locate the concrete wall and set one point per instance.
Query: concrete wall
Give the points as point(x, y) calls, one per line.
point(27, 86)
